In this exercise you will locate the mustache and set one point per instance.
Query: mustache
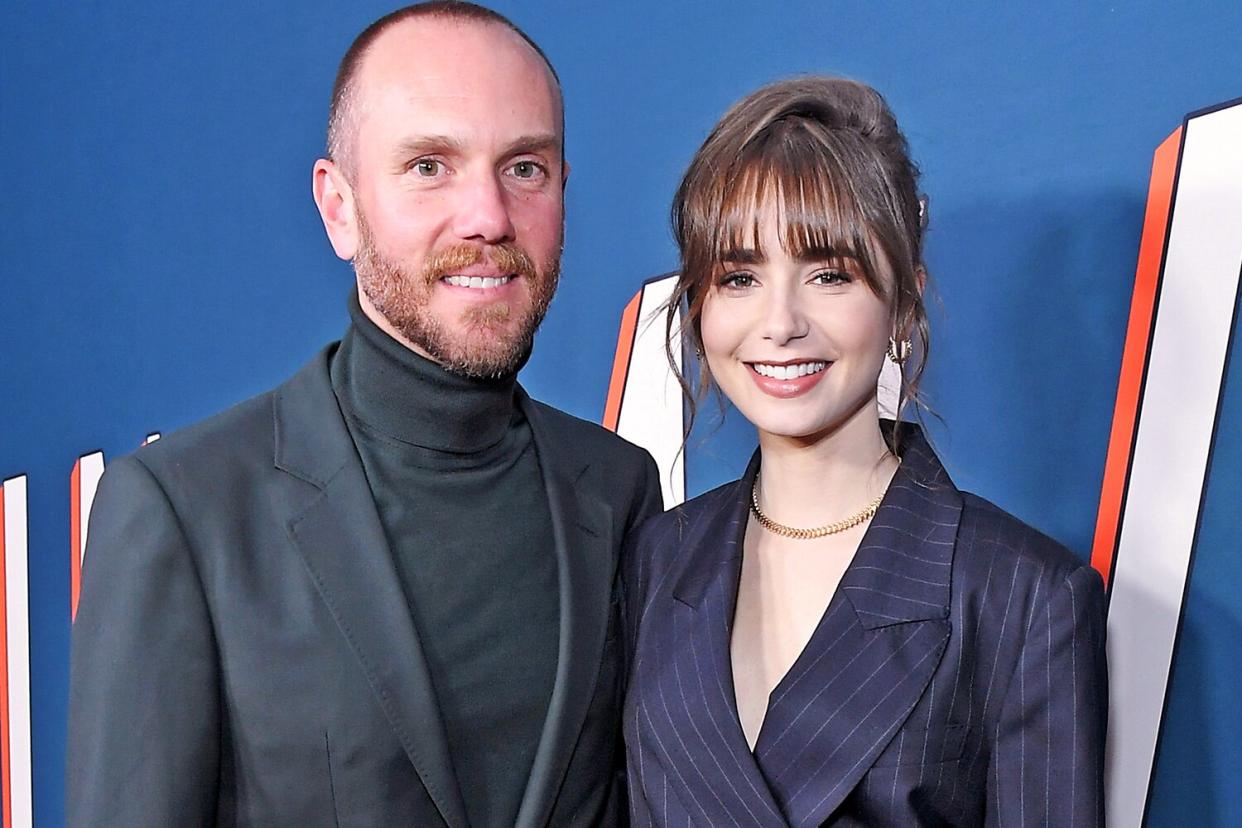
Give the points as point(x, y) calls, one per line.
point(507, 258)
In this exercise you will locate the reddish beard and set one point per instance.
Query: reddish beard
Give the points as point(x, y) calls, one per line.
point(490, 340)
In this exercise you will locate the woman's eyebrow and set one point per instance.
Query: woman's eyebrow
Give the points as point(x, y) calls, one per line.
point(742, 255)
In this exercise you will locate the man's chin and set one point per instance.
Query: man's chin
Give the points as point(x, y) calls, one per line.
point(484, 354)
point(486, 366)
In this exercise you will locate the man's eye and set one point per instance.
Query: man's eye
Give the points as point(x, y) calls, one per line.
point(525, 169)
point(428, 167)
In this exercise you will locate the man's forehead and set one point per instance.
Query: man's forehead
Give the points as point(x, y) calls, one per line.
point(446, 59)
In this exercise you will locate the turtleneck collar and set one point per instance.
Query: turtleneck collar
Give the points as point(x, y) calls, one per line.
point(407, 397)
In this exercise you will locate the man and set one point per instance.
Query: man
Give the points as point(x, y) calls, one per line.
point(380, 594)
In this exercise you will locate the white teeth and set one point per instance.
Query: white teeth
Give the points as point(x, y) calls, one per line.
point(477, 281)
point(788, 372)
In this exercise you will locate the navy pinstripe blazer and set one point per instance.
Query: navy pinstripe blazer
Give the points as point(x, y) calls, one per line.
point(957, 676)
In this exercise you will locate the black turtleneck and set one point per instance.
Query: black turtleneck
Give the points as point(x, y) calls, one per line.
point(456, 481)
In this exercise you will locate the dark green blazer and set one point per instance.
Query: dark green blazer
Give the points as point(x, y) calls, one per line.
point(243, 652)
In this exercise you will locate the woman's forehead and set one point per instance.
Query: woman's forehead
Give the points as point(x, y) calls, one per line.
point(806, 225)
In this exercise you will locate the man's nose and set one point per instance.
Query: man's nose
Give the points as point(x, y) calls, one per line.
point(783, 319)
point(483, 213)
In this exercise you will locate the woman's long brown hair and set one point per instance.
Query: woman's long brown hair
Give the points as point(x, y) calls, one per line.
point(828, 155)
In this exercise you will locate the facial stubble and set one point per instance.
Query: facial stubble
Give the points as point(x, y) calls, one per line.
point(483, 342)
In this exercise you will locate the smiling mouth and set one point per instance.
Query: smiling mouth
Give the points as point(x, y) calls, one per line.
point(478, 282)
point(788, 371)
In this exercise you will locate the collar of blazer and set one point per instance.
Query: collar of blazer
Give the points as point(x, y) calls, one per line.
point(334, 525)
point(871, 657)
point(901, 570)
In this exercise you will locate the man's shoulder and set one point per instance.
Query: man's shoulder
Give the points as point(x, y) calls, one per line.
point(236, 440)
point(597, 460)
point(236, 429)
point(585, 439)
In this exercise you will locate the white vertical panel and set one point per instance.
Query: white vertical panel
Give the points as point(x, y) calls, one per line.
point(1189, 345)
point(90, 469)
point(17, 624)
point(651, 407)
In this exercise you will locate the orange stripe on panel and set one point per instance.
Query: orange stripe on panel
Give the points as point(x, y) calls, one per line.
point(621, 362)
point(1162, 491)
point(84, 483)
point(75, 538)
point(1134, 357)
point(5, 730)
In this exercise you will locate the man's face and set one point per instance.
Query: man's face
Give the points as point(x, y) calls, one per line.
point(457, 181)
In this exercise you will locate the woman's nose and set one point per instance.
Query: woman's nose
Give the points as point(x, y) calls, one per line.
point(784, 320)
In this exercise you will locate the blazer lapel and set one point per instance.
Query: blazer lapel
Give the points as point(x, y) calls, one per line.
point(693, 694)
point(586, 555)
point(875, 650)
point(334, 525)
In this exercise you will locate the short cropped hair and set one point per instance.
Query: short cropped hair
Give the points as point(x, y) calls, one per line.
point(344, 90)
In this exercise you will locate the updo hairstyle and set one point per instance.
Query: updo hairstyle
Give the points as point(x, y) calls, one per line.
point(828, 154)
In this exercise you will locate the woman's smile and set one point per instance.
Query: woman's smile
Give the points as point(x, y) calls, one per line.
point(791, 378)
point(794, 339)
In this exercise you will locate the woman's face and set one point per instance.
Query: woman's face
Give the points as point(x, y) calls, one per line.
point(797, 345)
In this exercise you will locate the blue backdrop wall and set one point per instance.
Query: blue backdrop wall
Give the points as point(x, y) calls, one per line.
point(162, 258)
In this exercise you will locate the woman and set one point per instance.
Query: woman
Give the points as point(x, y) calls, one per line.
point(842, 637)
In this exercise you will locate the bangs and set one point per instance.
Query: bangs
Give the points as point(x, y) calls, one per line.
point(800, 179)
point(820, 166)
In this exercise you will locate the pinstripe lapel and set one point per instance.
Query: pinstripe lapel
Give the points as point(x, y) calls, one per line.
point(875, 649)
point(688, 703)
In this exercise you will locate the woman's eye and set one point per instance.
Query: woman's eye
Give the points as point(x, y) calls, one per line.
point(428, 167)
point(831, 277)
point(526, 169)
point(737, 281)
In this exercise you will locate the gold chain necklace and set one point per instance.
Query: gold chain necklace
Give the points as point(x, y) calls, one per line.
point(818, 532)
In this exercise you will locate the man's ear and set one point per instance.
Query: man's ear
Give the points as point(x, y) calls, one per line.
point(335, 199)
point(564, 175)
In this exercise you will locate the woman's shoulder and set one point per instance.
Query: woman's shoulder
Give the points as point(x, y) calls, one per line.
point(682, 523)
point(992, 541)
point(664, 540)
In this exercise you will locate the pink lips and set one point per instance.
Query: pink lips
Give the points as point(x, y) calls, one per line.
point(786, 388)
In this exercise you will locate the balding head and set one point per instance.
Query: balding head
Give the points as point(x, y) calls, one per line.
point(347, 91)
point(446, 185)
